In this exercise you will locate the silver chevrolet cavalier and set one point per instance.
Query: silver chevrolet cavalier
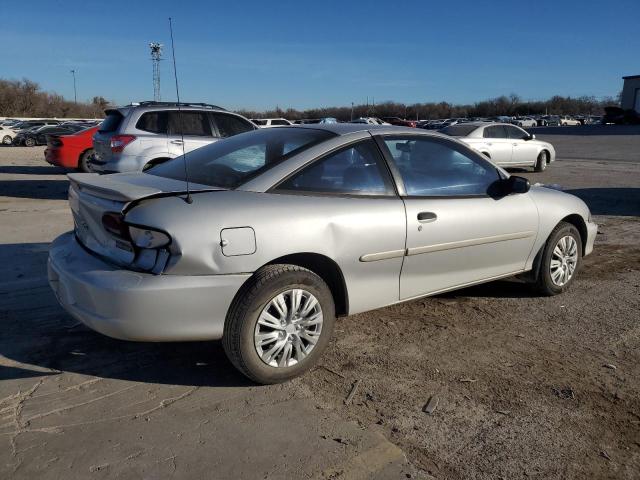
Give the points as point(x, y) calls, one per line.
point(280, 230)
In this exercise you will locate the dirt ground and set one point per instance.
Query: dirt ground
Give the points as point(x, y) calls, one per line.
point(526, 387)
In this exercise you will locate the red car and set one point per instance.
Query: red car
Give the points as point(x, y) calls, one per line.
point(71, 151)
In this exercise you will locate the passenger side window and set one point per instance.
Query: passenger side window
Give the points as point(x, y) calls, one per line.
point(279, 122)
point(515, 133)
point(495, 131)
point(356, 170)
point(154, 122)
point(189, 123)
point(230, 125)
point(436, 168)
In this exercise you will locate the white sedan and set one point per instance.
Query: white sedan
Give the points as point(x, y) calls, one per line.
point(506, 145)
point(525, 122)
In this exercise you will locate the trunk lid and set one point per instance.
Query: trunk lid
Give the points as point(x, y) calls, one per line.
point(91, 196)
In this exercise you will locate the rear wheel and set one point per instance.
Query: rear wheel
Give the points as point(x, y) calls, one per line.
point(29, 142)
point(561, 260)
point(83, 161)
point(7, 140)
point(541, 162)
point(279, 324)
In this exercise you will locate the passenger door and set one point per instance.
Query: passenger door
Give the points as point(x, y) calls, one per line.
point(524, 152)
point(499, 144)
point(460, 230)
point(350, 193)
point(188, 127)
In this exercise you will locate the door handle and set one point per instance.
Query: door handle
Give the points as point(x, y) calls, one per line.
point(177, 142)
point(514, 144)
point(427, 217)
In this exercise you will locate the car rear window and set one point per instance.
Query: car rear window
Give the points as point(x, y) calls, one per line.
point(458, 130)
point(111, 122)
point(234, 161)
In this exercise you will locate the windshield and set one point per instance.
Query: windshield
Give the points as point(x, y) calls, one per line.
point(458, 130)
point(231, 162)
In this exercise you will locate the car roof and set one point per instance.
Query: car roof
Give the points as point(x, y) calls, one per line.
point(346, 128)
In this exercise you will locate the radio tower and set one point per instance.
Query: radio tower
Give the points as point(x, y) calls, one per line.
point(156, 54)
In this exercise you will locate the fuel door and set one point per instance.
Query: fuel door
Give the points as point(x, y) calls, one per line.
point(238, 241)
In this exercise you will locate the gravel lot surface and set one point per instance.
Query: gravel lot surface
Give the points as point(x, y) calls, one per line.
point(526, 387)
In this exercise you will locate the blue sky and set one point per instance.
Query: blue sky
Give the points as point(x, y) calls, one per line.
point(262, 54)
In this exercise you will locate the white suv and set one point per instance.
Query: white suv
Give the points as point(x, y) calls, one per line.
point(141, 135)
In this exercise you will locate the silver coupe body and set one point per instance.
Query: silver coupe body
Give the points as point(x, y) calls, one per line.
point(281, 229)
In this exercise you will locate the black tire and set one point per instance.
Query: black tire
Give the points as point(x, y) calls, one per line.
point(544, 283)
point(29, 142)
point(541, 162)
point(7, 140)
point(240, 324)
point(83, 161)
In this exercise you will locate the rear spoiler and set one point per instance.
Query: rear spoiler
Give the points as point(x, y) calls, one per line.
point(108, 187)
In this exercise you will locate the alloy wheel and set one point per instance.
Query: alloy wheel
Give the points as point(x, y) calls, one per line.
point(564, 260)
point(288, 328)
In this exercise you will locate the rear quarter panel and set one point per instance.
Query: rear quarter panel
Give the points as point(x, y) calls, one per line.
point(340, 228)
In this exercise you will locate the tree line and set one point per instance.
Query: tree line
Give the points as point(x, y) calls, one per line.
point(24, 98)
point(511, 105)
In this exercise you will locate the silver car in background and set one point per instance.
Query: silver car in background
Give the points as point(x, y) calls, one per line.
point(281, 229)
point(505, 144)
point(138, 136)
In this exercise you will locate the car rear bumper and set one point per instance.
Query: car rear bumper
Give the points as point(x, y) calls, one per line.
point(138, 306)
point(55, 156)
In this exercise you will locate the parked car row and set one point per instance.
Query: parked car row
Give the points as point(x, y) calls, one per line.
point(34, 132)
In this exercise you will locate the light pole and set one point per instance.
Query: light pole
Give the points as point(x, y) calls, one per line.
point(352, 111)
point(75, 95)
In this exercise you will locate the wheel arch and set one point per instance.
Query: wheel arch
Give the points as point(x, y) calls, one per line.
point(325, 268)
point(545, 149)
point(82, 152)
point(578, 222)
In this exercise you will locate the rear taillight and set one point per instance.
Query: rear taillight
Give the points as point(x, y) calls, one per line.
point(119, 142)
point(114, 224)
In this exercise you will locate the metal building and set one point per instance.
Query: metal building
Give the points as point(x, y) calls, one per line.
point(630, 98)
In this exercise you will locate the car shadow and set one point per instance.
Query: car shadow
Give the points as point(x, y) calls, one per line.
point(39, 336)
point(33, 170)
point(610, 201)
point(36, 189)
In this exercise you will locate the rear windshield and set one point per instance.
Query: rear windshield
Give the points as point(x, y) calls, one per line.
point(231, 162)
point(112, 122)
point(458, 130)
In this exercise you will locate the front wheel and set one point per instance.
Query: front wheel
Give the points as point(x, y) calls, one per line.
point(561, 260)
point(29, 142)
point(279, 324)
point(7, 140)
point(541, 162)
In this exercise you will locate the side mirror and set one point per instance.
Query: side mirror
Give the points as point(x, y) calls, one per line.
point(531, 136)
point(515, 184)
